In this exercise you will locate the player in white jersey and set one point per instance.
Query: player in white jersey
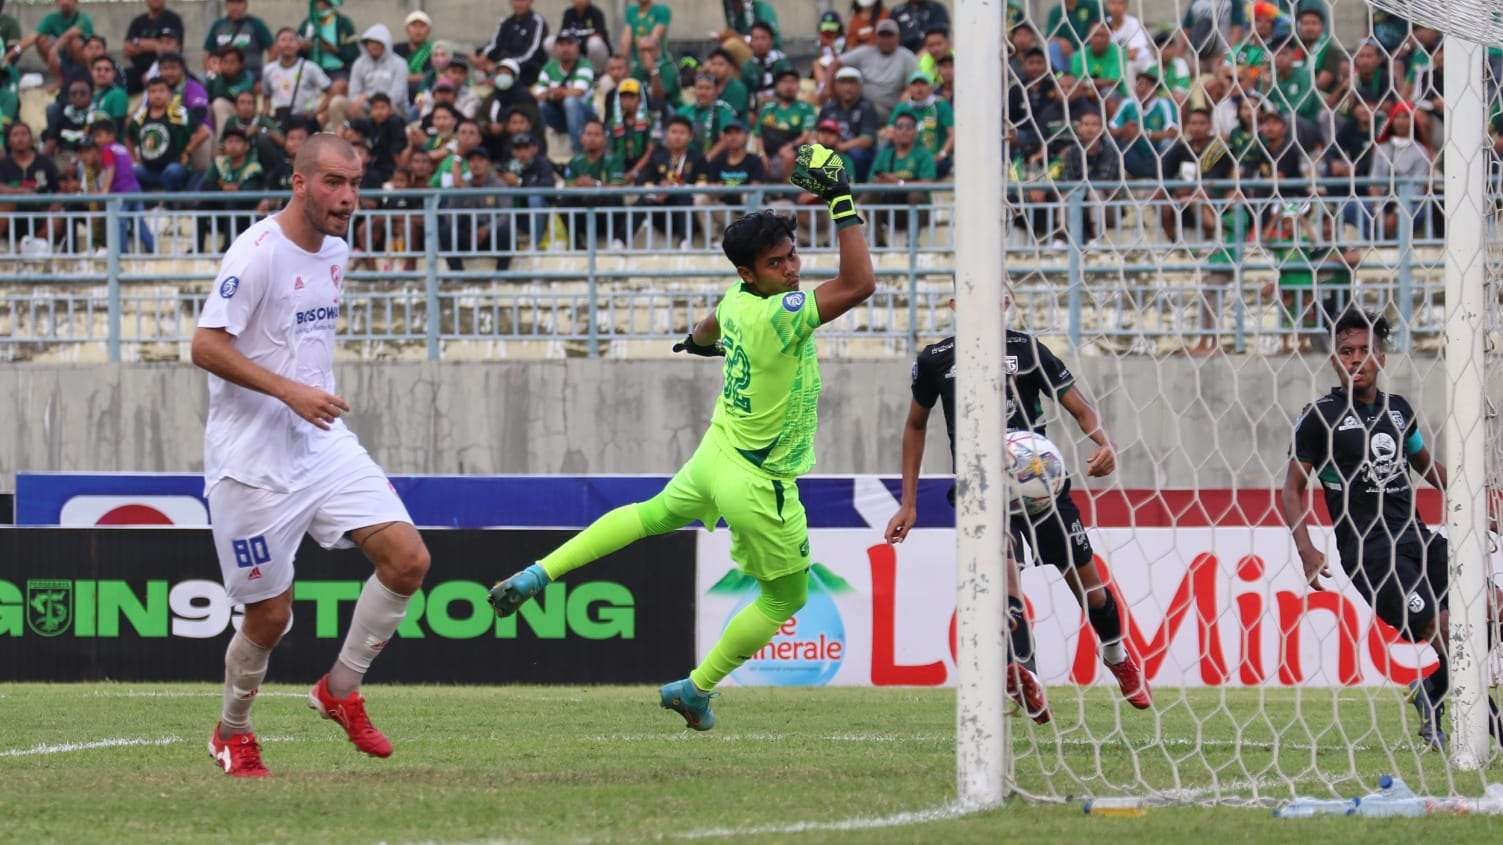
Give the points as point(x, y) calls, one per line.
point(278, 461)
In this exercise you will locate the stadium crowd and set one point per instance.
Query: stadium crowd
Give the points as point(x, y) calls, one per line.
point(1234, 91)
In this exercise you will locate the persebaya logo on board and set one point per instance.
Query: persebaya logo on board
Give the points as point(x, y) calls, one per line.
point(49, 606)
point(809, 648)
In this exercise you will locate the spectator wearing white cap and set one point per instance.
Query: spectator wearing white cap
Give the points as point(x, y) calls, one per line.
point(587, 22)
point(417, 50)
point(857, 118)
point(885, 68)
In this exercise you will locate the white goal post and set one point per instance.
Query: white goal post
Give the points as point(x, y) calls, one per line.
point(1467, 212)
point(981, 741)
point(1342, 733)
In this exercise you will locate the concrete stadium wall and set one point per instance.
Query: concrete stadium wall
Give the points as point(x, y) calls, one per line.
point(474, 21)
point(1178, 422)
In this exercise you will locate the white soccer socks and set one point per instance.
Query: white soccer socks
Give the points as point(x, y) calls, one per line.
point(377, 614)
point(244, 670)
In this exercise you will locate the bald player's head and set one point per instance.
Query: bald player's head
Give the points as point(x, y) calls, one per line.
point(325, 181)
point(313, 150)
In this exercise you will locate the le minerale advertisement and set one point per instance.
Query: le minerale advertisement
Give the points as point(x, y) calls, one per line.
point(147, 604)
point(1206, 606)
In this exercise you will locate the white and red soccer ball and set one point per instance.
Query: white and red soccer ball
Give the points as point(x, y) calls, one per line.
point(1037, 469)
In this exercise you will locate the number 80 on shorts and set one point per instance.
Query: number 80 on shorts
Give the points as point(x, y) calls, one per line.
point(251, 551)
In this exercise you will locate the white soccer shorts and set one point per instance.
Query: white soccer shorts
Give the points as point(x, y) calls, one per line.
point(257, 532)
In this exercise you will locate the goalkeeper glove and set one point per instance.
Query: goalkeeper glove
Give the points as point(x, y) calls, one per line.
point(821, 171)
point(688, 345)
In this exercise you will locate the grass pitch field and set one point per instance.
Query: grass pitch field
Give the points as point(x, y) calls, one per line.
point(127, 763)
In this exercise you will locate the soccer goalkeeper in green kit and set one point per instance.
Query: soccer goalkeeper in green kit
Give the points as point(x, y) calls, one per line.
point(760, 440)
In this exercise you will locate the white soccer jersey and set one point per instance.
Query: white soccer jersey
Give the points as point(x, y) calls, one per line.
point(282, 305)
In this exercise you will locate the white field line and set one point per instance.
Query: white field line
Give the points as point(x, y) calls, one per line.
point(66, 747)
point(182, 694)
point(944, 812)
point(541, 698)
point(121, 742)
point(1038, 742)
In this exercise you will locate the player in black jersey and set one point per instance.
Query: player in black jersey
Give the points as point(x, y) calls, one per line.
point(1360, 444)
point(1056, 536)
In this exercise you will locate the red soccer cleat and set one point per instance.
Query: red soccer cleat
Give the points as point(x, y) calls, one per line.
point(350, 714)
point(1132, 683)
point(239, 756)
point(1026, 691)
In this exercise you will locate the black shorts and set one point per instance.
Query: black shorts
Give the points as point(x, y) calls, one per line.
point(1056, 536)
point(1408, 588)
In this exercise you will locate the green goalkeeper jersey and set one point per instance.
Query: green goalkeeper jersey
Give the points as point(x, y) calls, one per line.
point(769, 405)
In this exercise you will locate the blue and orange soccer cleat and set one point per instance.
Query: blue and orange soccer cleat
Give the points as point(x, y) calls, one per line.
point(509, 595)
point(349, 713)
point(685, 699)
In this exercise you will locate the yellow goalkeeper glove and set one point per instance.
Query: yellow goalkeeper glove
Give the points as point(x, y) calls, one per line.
point(821, 171)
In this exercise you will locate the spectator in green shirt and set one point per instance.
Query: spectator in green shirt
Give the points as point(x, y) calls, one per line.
point(1100, 64)
point(723, 67)
point(1067, 28)
point(784, 124)
point(234, 170)
point(595, 167)
point(565, 88)
point(232, 80)
point(1325, 64)
point(109, 96)
point(935, 119)
point(658, 73)
point(632, 131)
point(740, 16)
point(1177, 74)
point(1144, 124)
point(59, 38)
point(240, 29)
point(10, 31)
point(759, 72)
point(900, 162)
point(708, 116)
point(1291, 85)
point(266, 136)
point(645, 19)
point(329, 40)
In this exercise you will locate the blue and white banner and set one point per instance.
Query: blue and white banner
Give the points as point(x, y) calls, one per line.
point(451, 501)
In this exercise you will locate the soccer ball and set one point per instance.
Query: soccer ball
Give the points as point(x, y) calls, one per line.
point(1038, 471)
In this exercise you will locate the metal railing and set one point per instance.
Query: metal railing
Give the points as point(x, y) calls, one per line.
point(1124, 266)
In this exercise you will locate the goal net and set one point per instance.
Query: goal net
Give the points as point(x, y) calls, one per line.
point(1188, 210)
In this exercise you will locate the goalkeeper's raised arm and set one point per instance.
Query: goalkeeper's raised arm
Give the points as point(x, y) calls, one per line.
point(821, 171)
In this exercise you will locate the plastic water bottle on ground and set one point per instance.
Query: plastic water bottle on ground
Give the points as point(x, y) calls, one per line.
point(1393, 798)
point(1305, 808)
point(1131, 807)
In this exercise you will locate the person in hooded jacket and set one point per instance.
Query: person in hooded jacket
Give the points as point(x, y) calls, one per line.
point(379, 68)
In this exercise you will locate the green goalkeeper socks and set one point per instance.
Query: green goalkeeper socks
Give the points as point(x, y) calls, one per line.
point(752, 628)
point(610, 533)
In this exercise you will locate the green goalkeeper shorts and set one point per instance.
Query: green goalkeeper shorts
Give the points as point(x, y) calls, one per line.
point(769, 529)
